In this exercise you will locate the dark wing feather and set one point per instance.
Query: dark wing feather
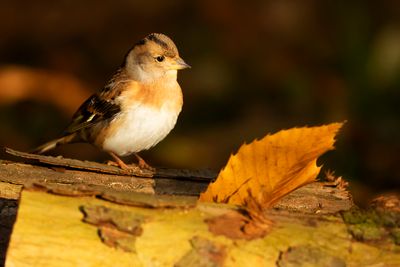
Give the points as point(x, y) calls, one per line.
point(92, 111)
point(100, 106)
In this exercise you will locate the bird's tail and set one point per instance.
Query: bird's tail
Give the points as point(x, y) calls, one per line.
point(54, 143)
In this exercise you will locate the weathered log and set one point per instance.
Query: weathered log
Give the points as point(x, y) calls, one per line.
point(76, 230)
point(71, 215)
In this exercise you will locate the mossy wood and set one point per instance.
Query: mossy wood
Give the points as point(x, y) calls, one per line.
point(78, 217)
point(54, 230)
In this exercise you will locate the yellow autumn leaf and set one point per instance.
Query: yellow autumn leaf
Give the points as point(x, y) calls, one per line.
point(267, 169)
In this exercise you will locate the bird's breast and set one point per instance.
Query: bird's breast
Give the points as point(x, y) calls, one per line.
point(145, 119)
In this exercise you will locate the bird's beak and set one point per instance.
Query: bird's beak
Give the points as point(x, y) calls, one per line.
point(179, 64)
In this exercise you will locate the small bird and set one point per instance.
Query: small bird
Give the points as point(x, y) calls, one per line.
point(136, 109)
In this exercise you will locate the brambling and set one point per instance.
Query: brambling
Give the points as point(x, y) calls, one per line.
point(136, 109)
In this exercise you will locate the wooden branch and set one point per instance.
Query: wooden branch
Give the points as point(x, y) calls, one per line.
point(85, 174)
point(203, 175)
point(320, 197)
point(93, 177)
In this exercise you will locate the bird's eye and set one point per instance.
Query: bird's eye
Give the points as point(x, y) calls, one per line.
point(160, 58)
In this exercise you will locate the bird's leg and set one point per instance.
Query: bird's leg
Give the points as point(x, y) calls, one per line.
point(142, 164)
point(119, 161)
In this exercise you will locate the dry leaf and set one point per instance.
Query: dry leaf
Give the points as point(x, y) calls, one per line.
point(267, 169)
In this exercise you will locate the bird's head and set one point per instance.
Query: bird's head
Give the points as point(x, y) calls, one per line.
point(154, 57)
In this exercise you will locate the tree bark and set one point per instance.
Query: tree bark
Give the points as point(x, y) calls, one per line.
point(74, 214)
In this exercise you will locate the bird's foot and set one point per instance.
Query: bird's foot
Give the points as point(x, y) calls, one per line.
point(142, 164)
point(118, 162)
point(121, 165)
point(112, 163)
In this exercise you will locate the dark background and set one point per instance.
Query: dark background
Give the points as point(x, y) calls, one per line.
point(257, 67)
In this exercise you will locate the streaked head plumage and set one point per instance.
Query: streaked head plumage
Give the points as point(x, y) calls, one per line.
point(154, 56)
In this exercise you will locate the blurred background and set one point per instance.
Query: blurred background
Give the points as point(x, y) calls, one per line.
point(257, 67)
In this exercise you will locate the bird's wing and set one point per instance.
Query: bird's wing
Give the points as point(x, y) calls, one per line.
point(95, 109)
point(101, 106)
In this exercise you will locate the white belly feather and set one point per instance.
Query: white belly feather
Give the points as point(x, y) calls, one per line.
point(143, 127)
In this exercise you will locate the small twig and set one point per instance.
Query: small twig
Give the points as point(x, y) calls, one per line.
point(199, 175)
